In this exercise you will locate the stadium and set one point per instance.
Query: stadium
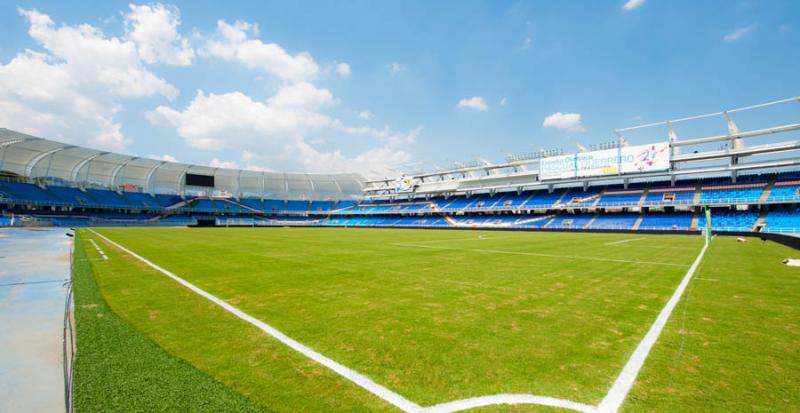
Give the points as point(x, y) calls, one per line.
point(653, 272)
point(378, 337)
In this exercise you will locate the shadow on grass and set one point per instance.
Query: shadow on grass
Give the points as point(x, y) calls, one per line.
point(117, 368)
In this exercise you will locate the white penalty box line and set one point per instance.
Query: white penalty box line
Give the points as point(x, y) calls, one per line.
point(610, 403)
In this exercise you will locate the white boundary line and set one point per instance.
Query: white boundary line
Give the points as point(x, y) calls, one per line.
point(387, 395)
point(622, 386)
point(103, 254)
point(610, 403)
point(536, 254)
point(496, 399)
point(623, 241)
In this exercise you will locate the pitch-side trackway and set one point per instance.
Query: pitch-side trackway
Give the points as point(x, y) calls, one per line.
point(610, 403)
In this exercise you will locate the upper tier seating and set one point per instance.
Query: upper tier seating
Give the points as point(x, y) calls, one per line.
point(110, 198)
point(28, 192)
point(542, 199)
point(140, 199)
point(617, 199)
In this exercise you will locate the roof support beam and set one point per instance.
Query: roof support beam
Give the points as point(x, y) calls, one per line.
point(77, 168)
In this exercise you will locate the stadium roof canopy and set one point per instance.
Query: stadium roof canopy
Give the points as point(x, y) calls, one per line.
point(57, 162)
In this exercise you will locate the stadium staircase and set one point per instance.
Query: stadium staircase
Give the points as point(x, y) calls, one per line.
point(760, 221)
point(645, 192)
point(638, 222)
point(529, 220)
point(595, 197)
point(698, 190)
point(240, 205)
point(553, 219)
point(768, 189)
point(591, 221)
point(695, 219)
point(179, 204)
point(560, 199)
point(599, 196)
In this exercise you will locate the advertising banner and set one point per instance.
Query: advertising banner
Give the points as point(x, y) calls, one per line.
point(605, 162)
point(628, 159)
point(404, 184)
point(557, 167)
point(645, 158)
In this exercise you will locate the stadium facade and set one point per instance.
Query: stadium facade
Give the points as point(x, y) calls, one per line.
point(750, 178)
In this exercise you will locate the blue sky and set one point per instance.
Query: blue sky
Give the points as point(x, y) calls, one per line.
point(381, 87)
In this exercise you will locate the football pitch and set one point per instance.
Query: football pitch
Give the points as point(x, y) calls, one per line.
point(346, 320)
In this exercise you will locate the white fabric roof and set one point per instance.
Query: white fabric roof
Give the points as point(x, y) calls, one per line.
point(35, 157)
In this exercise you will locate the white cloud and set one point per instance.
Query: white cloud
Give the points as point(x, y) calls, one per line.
point(567, 121)
point(503, 101)
point(526, 43)
point(395, 68)
point(73, 89)
point(236, 120)
point(277, 128)
point(165, 157)
point(216, 163)
point(739, 33)
point(343, 69)
point(154, 29)
point(475, 102)
point(232, 42)
point(302, 95)
point(632, 4)
point(374, 163)
point(366, 115)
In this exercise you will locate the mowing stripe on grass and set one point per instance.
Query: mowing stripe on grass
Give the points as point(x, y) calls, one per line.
point(363, 381)
point(537, 254)
point(359, 379)
point(622, 386)
point(623, 241)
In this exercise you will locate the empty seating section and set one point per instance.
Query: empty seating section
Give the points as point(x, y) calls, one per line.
point(139, 199)
point(542, 199)
point(297, 206)
point(110, 198)
point(564, 208)
point(730, 220)
point(511, 201)
point(580, 198)
point(28, 192)
point(722, 195)
point(320, 206)
point(782, 220)
point(679, 221)
point(71, 195)
point(785, 192)
point(614, 221)
point(677, 196)
point(574, 221)
point(254, 203)
point(168, 200)
point(274, 205)
point(620, 199)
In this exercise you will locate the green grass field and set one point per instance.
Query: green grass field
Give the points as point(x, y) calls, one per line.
point(438, 316)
